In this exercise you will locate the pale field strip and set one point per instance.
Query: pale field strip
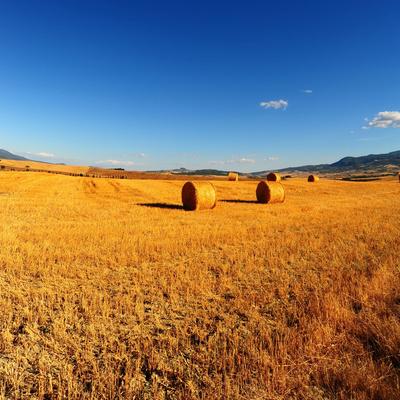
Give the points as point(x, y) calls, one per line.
point(45, 166)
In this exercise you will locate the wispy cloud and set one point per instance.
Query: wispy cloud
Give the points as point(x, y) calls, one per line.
point(307, 91)
point(118, 163)
point(242, 160)
point(135, 155)
point(275, 104)
point(246, 161)
point(43, 154)
point(384, 119)
point(271, 158)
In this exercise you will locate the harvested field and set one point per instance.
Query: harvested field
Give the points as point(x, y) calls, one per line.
point(109, 289)
point(34, 165)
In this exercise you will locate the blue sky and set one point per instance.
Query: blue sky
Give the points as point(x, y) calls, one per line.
point(230, 85)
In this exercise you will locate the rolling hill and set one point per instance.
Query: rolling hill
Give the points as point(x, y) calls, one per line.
point(372, 164)
point(6, 155)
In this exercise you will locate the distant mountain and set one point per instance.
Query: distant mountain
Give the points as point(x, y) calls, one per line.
point(206, 172)
point(377, 163)
point(372, 162)
point(383, 163)
point(6, 155)
point(185, 171)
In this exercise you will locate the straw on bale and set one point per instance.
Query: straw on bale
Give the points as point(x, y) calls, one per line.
point(270, 192)
point(274, 177)
point(200, 195)
point(233, 176)
point(313, 178)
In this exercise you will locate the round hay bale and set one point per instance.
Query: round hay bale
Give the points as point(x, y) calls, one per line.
point(233, 176)
point(313, 178)
point(274, 177)
point(270, 192)
point(200, 195)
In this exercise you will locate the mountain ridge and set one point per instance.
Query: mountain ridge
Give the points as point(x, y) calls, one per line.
point(383, 163)
point(6, 155)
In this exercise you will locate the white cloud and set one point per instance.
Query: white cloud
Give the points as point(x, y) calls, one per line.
point(118, 163)
point(43, 154)
point(307, 91)
point(242, 160)
point(272, 158)
point(275, 104)
point(246, 161)
point(385, 119)
point(136, 155)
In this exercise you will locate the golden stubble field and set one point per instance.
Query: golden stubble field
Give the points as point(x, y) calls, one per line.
point(66, 169)
point(108, 289)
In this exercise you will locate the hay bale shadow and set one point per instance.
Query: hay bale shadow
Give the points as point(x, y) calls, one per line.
point(241, 201)
point(161, 205)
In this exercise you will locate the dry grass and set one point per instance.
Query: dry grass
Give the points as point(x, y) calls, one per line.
point(68, 169)
point(95, 172)
point(110, 290)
